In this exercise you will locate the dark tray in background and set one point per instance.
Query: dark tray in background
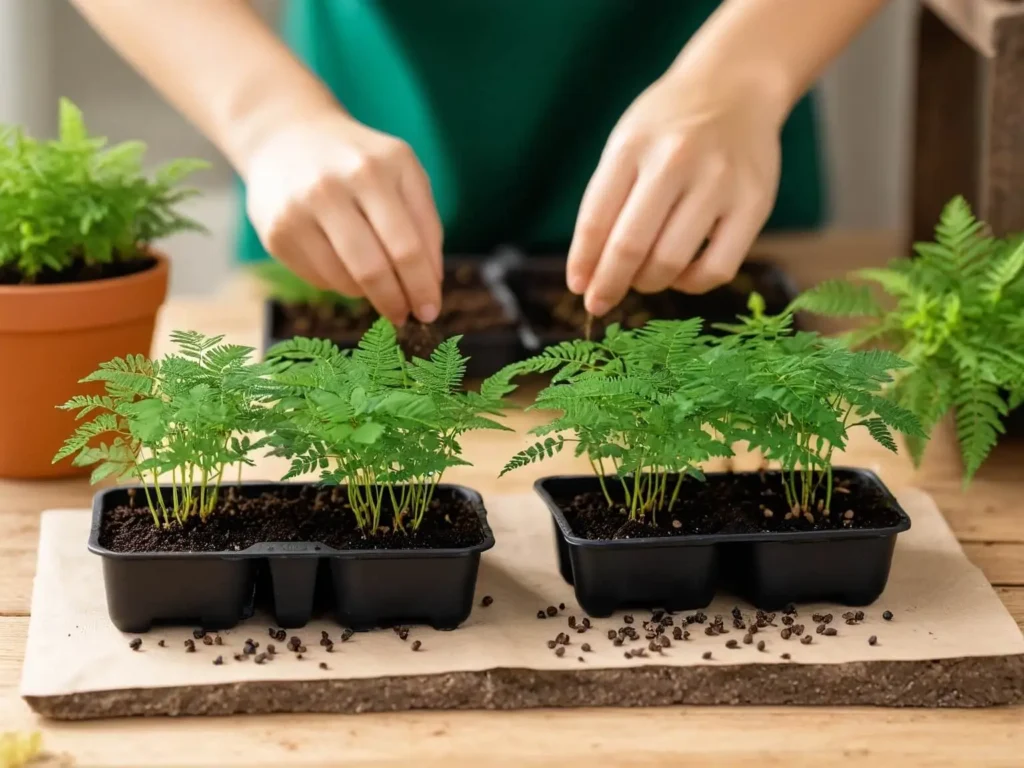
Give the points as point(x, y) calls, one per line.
point(488, 350)
point(769, 568)
point(216, 590)
point(538, 283)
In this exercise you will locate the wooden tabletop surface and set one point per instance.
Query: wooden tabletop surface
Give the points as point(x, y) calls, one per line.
point(987, 519)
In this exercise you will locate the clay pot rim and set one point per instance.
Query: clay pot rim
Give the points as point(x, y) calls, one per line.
point(28, 292)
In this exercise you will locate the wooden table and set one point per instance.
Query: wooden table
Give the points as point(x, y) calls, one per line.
point(987, 520)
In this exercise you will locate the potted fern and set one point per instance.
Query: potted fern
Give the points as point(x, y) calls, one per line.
point(647, 407)
point(184, 543)
point(957, 316)
point(476, 307)
point(79, 281)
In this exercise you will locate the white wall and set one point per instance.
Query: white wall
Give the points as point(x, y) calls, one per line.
point(46, 50)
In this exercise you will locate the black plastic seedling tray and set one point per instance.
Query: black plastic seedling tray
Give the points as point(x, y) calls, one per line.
point(216, 590)
point(488, 351)
point(770, 569)
point(530, 278)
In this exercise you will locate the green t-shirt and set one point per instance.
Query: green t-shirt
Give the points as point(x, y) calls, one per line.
point(508, 103)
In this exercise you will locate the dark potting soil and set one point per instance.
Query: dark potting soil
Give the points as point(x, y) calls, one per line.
point(318, 515)
point(468, 307)
point(79, 272)
point(551, 309)
point(728, 504)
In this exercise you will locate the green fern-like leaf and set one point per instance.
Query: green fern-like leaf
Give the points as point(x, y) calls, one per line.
point(838, 298)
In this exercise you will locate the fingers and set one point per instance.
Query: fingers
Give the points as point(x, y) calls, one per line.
point(682, 236)
point(632, 238)
point(414, 186)
point(409, 256)
point(604, 197)
point(730, 243)
point(356, 244)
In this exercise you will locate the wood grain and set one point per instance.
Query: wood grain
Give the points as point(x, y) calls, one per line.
point(986, 517)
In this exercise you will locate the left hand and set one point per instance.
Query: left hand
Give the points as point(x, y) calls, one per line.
point(693, 159)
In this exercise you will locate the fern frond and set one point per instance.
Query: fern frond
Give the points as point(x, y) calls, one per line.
point(837, 298)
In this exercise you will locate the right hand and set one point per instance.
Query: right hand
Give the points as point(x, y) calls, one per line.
point(349, 209)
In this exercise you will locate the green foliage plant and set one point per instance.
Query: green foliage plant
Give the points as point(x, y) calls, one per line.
point(75, 202)
point(285, 286)
point(191, 416)
point(650, 404)
point(385, 427)
point(957, 319)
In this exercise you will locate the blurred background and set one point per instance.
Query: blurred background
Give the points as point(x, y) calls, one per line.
point(47, 51)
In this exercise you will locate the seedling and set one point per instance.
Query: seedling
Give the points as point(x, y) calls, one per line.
point(649, 406)
point(73, 202)
point(189, 416)
point(383, 426)
point(958, 320)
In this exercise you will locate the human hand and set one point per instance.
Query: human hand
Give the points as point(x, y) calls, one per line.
point(349, 209)
point(692, 159)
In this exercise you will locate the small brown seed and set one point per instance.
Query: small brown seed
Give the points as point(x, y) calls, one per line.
point(260, 658)
point(731, 644)
point(572, 622)
point(707, 655)
point(218, 661)
point(207, 640)
point(585, 647)
point(787, 620)
point(551, 610)
point(786, 656)
point(560, 651)
point(561, 606)
point(552, 644)
point(162, 643)
point(541, 615)
point(628, 619)
point(830, 632)
point(760, 645)
point(859, 615)
point(887, 615)
point(873, 640)
point(218, 641)
point(345, 636)
point(416, 645)
point(586, 622)
point(686, 635)
point(748, 639)
point(271, 649)
point(198, 633)
point(786, 633)
point(323, 665)
point(820, 629)
point(135, 644)
point(487, 601)
point(617, 641)
point(807, 639)
point(677, 633)
point(190, 646)
point(612, 634)
point(664, 641)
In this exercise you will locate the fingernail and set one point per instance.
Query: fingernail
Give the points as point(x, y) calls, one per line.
point(598, 307)
point(427, 313)
point(576, 283)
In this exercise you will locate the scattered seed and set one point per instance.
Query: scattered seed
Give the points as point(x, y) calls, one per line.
point(731, 644)
point(887, 615)
point(552, 644)
point(403, 634)
point(628, 619)
point(830, 632)
point(798, 629)
point(788, 620)
point(617, 641)
point(786, 633)
point(416, 645)
point(324, 635)
point(561, 606)
point(859, 615)
point(748, 639)
point(551, 610)
point(271, 649)
point(560, 651)
point(752, 629)
point(710, 631)
point(820, 629)
point(653, 647)
point(586, 622)
point(272, 633)
point(207, 640)
point(585, 647)
point(198, 633)
point(190, 646)
point(786, 656)
point(218, 641)
point(135, 644)
point(686, 635)
point(760, 645)
point(240, 657)
point(572, 622)
point(707, 655)
point(260, 658)
point(612, 634)
point(541, 615)
point(323, 665)
point(487, 601)
point(298, 656)
point(218, 661)
point(677, 633)
point(676, 524)
point(345, 636)
point(807, 639)
point(162, 643)
point(650, 635)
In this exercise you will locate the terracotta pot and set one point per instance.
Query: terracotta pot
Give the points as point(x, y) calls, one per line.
point(50, 337)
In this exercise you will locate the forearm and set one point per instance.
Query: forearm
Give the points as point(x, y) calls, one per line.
point(217, 62)
point(775, 49)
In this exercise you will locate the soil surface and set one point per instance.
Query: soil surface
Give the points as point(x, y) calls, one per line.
point(729, 504)
point(299, 514)
point(79, 272)
point(553, 310)
point(468, 307)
